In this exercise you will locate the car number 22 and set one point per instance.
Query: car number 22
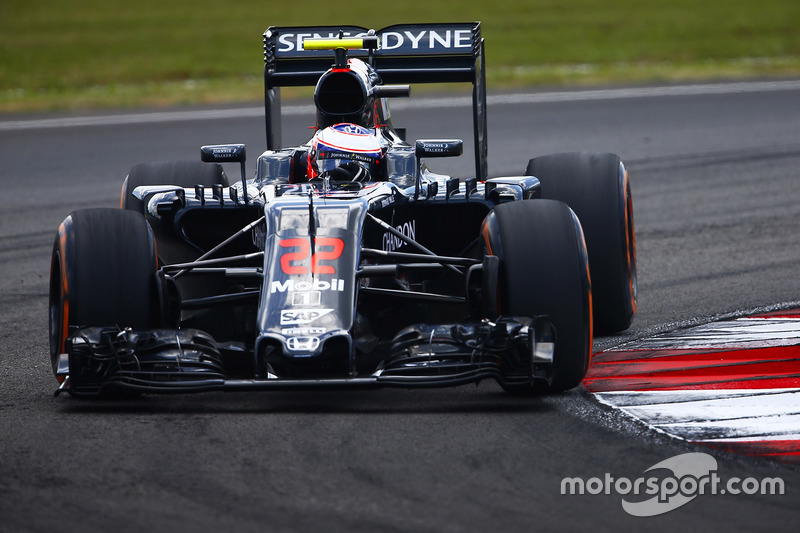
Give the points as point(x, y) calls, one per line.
point(298, 251)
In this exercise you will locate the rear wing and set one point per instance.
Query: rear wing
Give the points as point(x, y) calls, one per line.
point(407, 53)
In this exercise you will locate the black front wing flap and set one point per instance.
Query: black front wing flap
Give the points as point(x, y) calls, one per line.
point(512, 351)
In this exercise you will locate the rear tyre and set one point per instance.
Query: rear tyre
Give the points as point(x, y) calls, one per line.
point(185, 174)
point(596, 187)
point(102, 273)
point(544, 271)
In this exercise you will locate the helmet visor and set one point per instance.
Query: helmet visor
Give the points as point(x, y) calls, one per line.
point(329, 160)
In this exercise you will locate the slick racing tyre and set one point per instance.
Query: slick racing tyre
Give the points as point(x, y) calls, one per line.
point(181, 173)
point(596, 187)
point(544, 271)
point(102, 273)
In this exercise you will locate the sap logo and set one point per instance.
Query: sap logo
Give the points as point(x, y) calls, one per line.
point(291, 285)
point(392, 242)
point(302, 316)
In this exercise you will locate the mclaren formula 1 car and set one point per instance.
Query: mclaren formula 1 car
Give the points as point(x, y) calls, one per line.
point(346, 262)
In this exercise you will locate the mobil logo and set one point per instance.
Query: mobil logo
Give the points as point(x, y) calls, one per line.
point(291, 285)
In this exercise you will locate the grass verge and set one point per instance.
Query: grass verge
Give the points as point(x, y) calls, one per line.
point(83, 54)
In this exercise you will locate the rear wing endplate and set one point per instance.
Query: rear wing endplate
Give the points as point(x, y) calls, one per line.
point(407, 53)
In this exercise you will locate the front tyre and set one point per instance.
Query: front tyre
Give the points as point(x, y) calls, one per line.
point(102, 273)
point(544, 271)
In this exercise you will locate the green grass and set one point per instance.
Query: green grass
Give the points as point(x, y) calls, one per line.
point(92, 53)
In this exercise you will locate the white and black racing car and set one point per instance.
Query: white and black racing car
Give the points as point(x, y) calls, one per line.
point(346, 262)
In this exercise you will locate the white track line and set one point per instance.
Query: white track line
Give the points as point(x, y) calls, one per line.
point(413, 103)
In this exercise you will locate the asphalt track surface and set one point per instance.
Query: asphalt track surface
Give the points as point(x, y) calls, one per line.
point(717, 210)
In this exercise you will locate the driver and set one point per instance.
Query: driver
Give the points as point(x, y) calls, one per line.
point(345, 152)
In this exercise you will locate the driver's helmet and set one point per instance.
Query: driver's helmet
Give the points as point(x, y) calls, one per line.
point(347, 152)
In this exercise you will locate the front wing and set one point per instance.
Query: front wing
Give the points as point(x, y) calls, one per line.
point(514, 351)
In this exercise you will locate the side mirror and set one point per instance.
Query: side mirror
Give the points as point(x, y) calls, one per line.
point(435, 148)
point(226, 153)
point(439, 148)
point(223, 153)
